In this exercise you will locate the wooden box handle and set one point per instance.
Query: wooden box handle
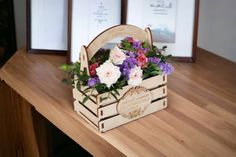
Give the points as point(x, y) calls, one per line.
point(103, 38)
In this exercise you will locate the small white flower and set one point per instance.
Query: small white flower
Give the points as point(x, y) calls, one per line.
point(135, 76)
point(108, 73)
point(117, 56)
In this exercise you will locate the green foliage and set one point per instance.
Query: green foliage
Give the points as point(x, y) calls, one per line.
point(75, 74)
point(145, 45)
point(127, 45)
point(165, 58)
point(101, 56)
point(155, 52)
point(101, 88)
point(151, 70)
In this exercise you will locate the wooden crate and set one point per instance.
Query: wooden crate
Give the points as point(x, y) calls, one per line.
point(133, 102)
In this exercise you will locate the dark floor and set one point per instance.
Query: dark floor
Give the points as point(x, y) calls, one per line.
point(63, 146)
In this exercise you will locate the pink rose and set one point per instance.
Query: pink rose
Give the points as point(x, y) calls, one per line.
point(140, 51)
point(142, 60)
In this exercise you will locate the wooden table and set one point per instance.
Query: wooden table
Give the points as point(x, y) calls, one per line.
point(200, 119)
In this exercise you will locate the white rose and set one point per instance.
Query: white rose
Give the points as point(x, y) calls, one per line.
point(135, 76)
point(117, 56)
point(108, 73)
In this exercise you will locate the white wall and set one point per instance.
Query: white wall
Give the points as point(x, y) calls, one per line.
point(217, 27)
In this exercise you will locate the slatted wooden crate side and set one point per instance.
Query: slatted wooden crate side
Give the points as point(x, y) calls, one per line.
point(97, 109)
point(111, 110)
point(79, 96)
point(87, 120)
point(119, 120)
point(92, 117)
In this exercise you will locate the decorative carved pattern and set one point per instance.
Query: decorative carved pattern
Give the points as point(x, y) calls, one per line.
point(134, 102)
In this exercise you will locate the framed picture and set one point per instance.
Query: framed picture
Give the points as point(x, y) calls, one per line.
point(89, 18)
point(47, 26)
point(174, 23)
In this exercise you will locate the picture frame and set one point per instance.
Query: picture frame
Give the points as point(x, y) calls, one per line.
point(87, 19)
point(174, 23)
point(47, 23)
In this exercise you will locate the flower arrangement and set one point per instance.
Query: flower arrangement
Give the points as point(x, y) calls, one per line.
point(128, 63)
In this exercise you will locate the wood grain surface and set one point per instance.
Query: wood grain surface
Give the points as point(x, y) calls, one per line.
point(200, 119)
point(15, 117)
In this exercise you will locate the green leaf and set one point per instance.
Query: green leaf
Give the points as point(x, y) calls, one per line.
point(93, 95)
point(155, 73)
point(85, 99)
point(145, 45)
point(151, 54)
point(113, 95)
point(67, 81)
point(164, 47)
point(145, 76)
point(116, 92)
point(100, 56)
point(166, 58)
point(65, 67)
point(87, 90)
point(101, 88)
point(152, 67)
point(102, 99)
point(122, 83)
point(78, 85)
point(126, 44)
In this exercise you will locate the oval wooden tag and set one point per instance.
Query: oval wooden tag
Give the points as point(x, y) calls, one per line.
point(134, 102)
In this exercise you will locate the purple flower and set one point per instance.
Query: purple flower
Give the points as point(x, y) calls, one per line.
point(127, 65)
point(166, 68)
point(131, 54)
point(137, 44)
point(145, 50)
point(154, 60)
point(93, 81)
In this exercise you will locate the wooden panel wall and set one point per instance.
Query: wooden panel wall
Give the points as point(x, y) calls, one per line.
point(17, 136)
